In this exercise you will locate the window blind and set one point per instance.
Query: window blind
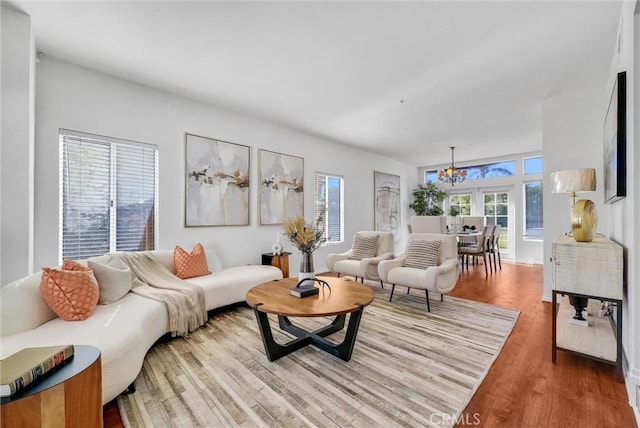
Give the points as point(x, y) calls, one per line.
point(328, 204)
point(108, 195)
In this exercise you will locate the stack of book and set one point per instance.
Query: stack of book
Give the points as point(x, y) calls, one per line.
point(28, 366)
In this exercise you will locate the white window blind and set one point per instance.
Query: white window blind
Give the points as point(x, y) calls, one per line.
point(328, 205)
point(108, 195)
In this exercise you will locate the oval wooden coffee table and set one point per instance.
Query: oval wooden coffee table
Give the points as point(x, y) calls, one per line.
point(344, 297)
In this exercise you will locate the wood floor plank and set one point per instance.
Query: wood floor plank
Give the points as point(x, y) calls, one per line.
point(523, 388)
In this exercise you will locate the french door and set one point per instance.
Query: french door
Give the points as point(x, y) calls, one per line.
point(496, 209)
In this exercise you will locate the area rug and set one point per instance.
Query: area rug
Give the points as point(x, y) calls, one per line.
point(409, 368)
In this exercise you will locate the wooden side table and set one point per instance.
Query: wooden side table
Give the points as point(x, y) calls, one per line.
point(280, 261)
point(69, 397)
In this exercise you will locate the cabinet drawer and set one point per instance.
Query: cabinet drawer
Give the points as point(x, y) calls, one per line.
point(593, 269)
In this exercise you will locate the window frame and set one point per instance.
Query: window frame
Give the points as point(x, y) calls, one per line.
point(525, 236)
point(325, 206)
point(115, 173)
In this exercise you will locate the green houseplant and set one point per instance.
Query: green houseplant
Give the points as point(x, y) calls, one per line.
point(427, 199)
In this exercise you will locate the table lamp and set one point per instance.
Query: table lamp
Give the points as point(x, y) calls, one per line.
point(584, 217)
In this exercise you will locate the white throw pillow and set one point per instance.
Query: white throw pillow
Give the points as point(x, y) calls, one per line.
point(364, 246)
point(114, 279)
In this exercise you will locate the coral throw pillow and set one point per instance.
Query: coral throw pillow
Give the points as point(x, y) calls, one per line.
point(71, 292)
point(191, 264)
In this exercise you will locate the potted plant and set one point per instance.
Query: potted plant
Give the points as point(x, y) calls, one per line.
point(427, 199)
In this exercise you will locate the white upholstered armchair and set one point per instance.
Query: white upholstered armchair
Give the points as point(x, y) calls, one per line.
point(430, 262)
point(361, 261)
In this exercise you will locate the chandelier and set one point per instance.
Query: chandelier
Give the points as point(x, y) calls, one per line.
point(452, 174)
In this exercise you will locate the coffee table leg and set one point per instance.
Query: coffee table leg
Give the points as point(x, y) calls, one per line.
point(336, 325)
point(274, 350)
point(344, 349)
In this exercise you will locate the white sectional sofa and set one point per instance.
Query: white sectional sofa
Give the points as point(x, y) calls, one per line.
point(123, 330)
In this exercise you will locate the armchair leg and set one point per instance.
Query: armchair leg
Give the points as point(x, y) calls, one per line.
point(499, 259)
point(393, 287)
point(381, 284)
point(408, 290)
point(442, 297)
point(362, 280)
point(338, 274)
point(428, 306)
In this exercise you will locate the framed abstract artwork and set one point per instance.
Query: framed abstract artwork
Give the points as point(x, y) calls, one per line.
point(281, 186)
point(217, 182)
point(615, 143)
point(387, 203)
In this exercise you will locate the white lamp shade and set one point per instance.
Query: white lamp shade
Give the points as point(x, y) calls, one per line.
point(574, 181)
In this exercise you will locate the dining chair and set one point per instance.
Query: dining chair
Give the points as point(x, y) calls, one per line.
point(478, 250)
point(474, 223)
point(495, 247)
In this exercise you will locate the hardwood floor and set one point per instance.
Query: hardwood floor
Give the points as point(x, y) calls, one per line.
point(524, 388)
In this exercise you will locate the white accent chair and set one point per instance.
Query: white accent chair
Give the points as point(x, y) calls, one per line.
point(366, 268)
point(428, 224)
point(440, 279)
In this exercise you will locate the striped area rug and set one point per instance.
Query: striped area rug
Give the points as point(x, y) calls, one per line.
point(409, 368)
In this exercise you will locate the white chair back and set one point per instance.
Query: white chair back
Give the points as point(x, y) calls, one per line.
point(385, 240)
point(472, 220)
point(428, 224)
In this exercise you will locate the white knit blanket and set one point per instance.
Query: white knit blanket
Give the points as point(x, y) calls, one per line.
point(184, 301)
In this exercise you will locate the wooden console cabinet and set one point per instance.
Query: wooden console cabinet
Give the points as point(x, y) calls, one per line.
point(69, 397)
point(592, 270)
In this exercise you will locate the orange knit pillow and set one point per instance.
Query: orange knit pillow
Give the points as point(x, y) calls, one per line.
point(190, 265)
point(71, 292)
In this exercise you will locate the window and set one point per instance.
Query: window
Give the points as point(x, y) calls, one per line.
point(328, 205)
point(533, 210)
point(108, 194)
point(431, 176)
point(491, 170)
point(461, 202)
point(496, 209)
point(533, 165)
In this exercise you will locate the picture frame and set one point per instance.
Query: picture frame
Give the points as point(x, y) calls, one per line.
point(217, 182)
point(615, 143)
point(281, 186)
point(387, 203)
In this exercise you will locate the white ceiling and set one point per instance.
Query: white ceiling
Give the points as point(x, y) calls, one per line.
point(404, 79)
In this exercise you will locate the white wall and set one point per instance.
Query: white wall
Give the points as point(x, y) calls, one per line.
point(520, 250)
point(76, 98)
point(572, 138)
point(623, 215)
point(17, 146)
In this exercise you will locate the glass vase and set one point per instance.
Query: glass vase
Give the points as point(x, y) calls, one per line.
point(306, 268)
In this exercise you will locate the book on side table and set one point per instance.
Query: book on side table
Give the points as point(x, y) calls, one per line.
point(27, 366)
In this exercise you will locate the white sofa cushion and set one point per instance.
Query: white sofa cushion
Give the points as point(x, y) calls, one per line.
point(230, 285)
point(21, 306)
point(123, 331)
